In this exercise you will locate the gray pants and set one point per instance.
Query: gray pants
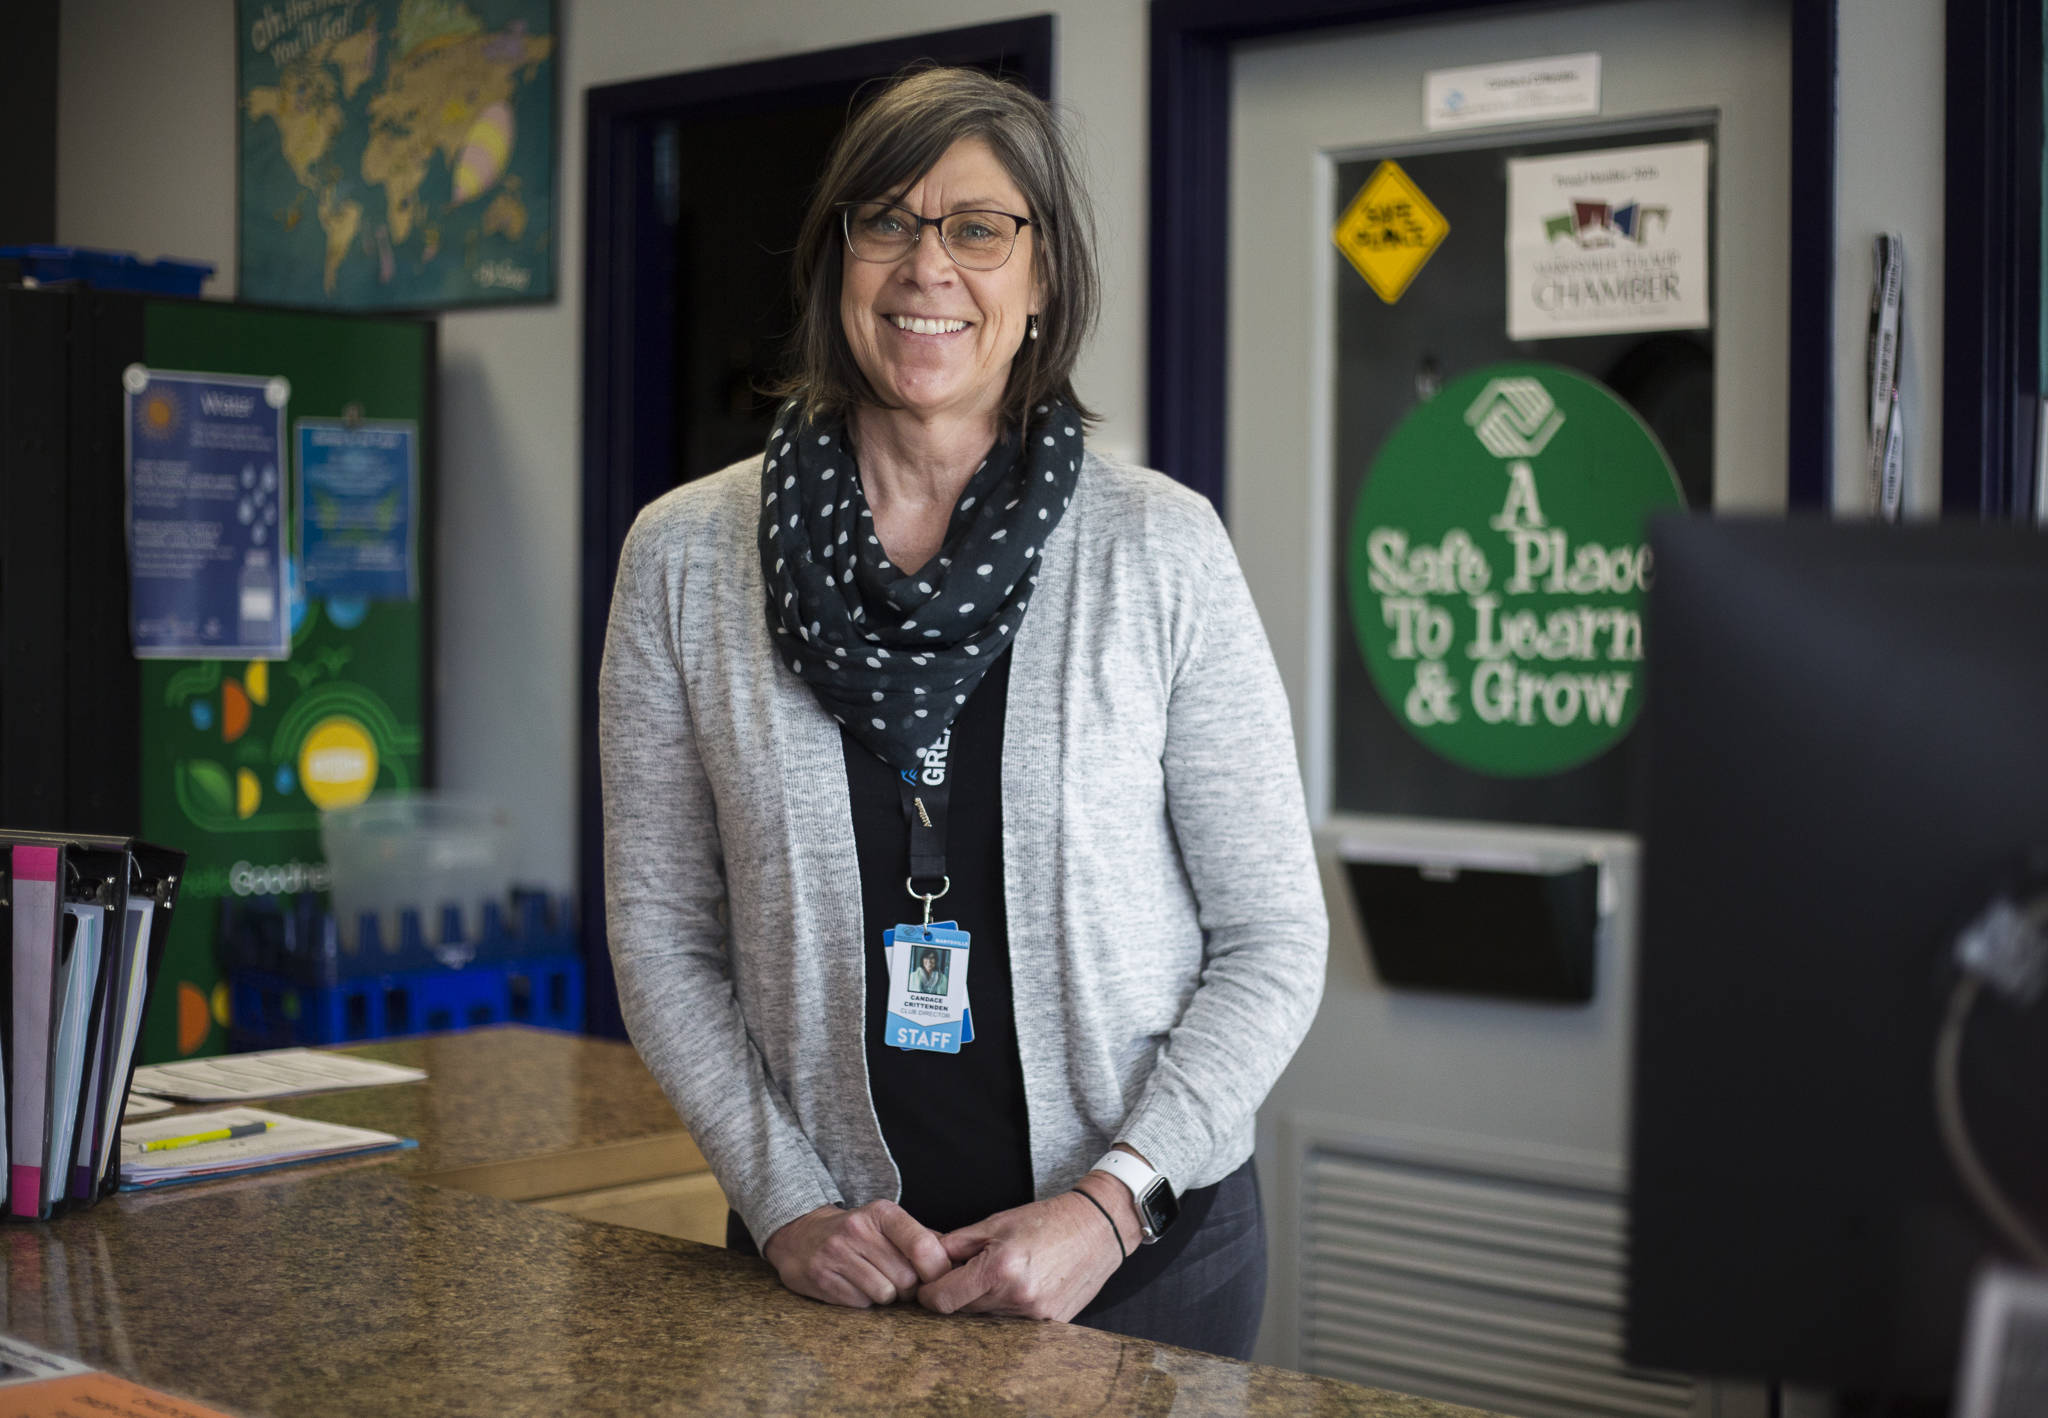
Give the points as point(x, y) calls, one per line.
point(1212, 1296)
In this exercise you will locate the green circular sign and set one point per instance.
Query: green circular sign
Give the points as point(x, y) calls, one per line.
point(1497, 564)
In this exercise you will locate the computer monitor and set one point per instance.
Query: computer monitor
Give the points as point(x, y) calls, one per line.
point(1848, 758)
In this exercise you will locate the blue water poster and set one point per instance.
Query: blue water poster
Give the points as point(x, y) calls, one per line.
point(358, 498)
point(206, 525)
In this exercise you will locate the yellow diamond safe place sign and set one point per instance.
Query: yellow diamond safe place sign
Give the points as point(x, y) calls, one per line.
point(1389, 231)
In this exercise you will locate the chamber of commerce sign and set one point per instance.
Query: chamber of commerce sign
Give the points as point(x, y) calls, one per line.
point(1609, 240)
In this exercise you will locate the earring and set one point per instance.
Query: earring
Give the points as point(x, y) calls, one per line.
point(1031, 326)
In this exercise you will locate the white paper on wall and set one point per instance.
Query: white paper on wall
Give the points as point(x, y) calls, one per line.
point(1608, 240)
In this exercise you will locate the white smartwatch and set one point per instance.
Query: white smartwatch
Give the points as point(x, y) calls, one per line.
point(1157, 1205)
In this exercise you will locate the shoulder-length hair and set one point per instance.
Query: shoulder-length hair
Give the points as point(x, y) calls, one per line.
point(887, 147)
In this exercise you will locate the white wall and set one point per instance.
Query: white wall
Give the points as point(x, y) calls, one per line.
point(146, 129)
point(146, 161)
point(1888, 177)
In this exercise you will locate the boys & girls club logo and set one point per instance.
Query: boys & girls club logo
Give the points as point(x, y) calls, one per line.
point(1496, 565)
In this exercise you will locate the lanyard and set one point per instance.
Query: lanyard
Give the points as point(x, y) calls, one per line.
point(925, 792)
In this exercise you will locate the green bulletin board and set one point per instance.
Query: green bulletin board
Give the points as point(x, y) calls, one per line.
point(239, 756)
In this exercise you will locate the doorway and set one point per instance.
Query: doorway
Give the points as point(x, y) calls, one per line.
point(1424, 1142)
point(695, 186)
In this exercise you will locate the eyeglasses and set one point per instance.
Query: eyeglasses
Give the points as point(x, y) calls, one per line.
point(977, 241)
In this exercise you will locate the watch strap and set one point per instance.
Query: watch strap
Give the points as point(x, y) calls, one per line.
point(1136, 1175)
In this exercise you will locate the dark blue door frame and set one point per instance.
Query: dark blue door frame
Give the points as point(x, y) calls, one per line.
point(1991, 300)
point(1188, 342)
point(628, 369)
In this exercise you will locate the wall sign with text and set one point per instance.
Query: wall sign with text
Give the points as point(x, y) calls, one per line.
point(358, 494)
point(1521, 91)
point(206, 550)
point(1496, 566)
point(1610, 240)
point(1389, 231)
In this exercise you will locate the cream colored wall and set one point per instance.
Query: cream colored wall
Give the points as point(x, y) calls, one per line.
point(1888, 177)
point(146, 129)
point(146, 161)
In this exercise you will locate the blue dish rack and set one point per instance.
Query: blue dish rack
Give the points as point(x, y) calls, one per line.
point(290, 983)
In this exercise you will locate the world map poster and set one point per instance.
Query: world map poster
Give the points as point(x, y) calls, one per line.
point(396, 154)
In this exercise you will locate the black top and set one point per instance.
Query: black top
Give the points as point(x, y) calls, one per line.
point(956, 1123)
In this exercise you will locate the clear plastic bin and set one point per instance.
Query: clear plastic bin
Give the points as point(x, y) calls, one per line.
point(439, 855)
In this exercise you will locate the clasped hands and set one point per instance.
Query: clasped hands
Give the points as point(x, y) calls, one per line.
point(1044, 1260)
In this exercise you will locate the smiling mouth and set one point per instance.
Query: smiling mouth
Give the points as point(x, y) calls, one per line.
point(917, 325)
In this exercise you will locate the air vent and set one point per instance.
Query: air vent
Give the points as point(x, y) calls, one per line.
point(1474, 1286)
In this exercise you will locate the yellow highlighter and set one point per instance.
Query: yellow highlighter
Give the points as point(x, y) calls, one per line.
point(165, 1144)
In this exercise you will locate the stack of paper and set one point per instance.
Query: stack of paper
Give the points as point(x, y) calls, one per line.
point(284, 1141)
point(278, 1073)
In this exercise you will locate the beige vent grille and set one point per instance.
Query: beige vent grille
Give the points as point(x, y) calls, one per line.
point(1482, 1287)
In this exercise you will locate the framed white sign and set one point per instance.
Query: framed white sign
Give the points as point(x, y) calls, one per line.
point(1527, 90)
point(1608, 240)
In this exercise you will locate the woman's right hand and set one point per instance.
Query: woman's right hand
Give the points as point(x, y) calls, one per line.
point(873, 1255)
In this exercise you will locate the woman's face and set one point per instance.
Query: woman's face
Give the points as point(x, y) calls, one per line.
point(959, 368)
point(931, 962)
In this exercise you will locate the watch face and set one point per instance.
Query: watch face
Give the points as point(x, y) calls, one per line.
point(1160, 1206)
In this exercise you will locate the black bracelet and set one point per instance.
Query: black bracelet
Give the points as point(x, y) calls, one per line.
point(1106, 1217)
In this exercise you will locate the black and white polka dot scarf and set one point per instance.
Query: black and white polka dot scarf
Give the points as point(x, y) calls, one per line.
point(891, 655)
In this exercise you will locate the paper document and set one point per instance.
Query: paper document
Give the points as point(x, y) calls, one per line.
point(276, 1074)
point(105, 1395)
point(23, 1363)
point(287, 1140)
point(68, 1052)
point(141, 1105)
point(134, 994)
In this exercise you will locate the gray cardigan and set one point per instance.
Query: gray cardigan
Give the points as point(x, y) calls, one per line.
point(1166, 926)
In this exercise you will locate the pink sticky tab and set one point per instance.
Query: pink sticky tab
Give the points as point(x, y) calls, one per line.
point(35, 863)
point(26, 1180)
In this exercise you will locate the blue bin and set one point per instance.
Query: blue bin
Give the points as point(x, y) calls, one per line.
point(108, 270)
point(271, 1012)
point(287, 986)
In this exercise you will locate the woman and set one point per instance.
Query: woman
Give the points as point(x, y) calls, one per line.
point(1002, 681)
point(930, 978)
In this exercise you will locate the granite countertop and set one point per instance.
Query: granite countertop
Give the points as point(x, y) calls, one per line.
point(361, 1288)
point(500, 1094)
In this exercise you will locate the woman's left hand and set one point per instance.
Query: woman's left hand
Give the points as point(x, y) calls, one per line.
point(1042, 1261)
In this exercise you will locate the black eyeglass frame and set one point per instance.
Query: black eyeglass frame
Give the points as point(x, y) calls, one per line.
point(917, 232)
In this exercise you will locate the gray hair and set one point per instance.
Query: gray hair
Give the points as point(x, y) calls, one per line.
point(888, 146)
